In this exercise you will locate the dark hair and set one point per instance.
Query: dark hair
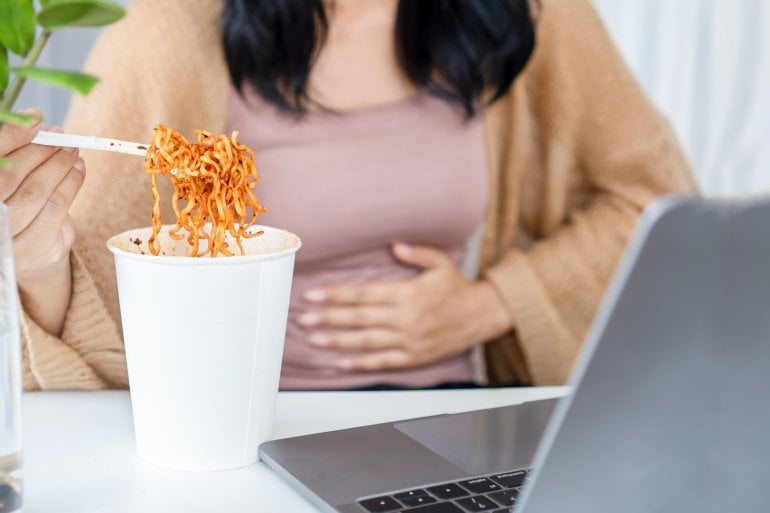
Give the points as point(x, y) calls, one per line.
point(458, 50)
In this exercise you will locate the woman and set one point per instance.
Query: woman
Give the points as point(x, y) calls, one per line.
point(387, 133)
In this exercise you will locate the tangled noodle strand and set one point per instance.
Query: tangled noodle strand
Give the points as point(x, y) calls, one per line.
point(213, 183)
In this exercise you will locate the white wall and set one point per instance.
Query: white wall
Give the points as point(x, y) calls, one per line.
point(706, 64)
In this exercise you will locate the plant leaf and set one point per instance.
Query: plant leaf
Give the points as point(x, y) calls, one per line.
point(16, 119)
point(43, 3)
point(80, 82)
point(3, 69)
point(17, 25)
point(78, 13)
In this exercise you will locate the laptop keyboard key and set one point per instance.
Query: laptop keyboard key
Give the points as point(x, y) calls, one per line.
point(411, 493)
point(439, 507)
point(496, 493)
point(380, 504)
point(505, 497)
point(448, 491)
point(479, 503)
point(418, 500)
point(510, 479)
point(480, 485)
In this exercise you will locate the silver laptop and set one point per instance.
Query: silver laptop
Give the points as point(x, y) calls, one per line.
point(669, 409)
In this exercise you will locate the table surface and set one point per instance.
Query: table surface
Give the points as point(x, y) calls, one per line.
point(80, 456)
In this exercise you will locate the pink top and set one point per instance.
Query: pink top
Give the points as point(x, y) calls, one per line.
point(349, 185)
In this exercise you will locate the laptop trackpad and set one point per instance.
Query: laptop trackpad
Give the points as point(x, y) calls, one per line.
point(484, 441)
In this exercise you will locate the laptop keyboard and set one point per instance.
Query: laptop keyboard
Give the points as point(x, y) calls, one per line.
point(495, 493)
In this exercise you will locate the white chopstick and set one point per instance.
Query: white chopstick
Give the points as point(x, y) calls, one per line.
point(89, 142)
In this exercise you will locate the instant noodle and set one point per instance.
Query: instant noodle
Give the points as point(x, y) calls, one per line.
point(213, 182)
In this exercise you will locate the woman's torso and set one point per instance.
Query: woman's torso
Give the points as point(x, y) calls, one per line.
point(352, 183)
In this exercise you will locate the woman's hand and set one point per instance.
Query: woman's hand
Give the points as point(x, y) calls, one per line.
point(38, 189)
point(397, 324)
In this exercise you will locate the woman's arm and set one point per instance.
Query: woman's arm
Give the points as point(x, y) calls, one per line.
point(161, 63)
point(38, 188)
point(580, 151)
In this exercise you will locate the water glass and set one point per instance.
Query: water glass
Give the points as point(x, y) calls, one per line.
point(10, 377)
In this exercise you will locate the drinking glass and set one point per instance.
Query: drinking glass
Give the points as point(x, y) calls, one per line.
point(10, 377)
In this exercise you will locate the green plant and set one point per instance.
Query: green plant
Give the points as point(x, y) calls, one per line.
point(25, 30)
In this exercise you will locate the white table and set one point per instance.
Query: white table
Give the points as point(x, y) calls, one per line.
point(79, 452)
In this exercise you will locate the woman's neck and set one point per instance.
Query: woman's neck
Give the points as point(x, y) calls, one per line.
point(358, 64)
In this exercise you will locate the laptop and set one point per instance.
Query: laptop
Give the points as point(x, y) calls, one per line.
point(668, 409)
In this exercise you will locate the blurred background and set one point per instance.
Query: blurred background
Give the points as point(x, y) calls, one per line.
point(705, 63)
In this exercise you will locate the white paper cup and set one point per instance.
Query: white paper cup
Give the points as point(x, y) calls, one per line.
point(204, 342)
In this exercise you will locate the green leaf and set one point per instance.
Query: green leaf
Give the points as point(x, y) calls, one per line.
point(3, 69)
point(17, 25)
point(80, 82)
point(78, 13)
point(16, 119)
point(43, 3)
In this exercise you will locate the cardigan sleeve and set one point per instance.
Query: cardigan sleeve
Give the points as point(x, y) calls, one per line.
point(148, 75)
point(598, 154)
point(88, 355)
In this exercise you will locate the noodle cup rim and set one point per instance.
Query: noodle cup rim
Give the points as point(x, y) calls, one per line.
point(191, 260)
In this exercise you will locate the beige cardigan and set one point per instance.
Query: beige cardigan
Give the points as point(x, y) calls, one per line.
point(575, 149)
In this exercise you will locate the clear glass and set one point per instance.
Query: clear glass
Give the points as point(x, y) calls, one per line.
point(10, 377)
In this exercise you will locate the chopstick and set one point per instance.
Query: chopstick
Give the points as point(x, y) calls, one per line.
point(90, 142)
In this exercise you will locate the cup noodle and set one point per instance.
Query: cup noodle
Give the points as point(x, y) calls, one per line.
point(204, 342)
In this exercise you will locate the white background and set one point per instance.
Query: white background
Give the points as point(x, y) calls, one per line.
point(705, 63)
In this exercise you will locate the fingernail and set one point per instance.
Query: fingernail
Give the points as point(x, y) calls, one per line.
point(80, 164)
point(345, 364)
point(37, 113)
point(69, 149)
point(315, 295)
point(319, 339)
point(309, 319)
point(402, 249)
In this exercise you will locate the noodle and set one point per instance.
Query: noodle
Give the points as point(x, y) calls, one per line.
point(213, 183)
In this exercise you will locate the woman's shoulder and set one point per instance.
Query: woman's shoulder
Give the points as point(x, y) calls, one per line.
point(567, 27)
point(158, 32)
point(574, 65)
point(562, 11)
point(159, 43)
point(571, 45)
point(159, 60)
point(182, 15)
